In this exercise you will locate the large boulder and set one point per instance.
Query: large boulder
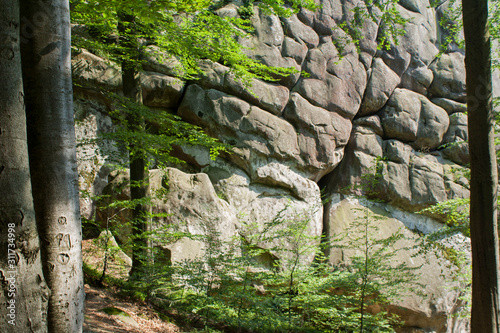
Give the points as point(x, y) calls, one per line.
point(381, 84)
point(259, 136)
point(267, 96)
point(437, 309)
point(341, 89)
point(301, 32)
point(457, 132)
point(191, 202)
point(449, 77)
point(411, 117)
point(160, 90)
point(323, 134)
point(272, 193)
point(449, 105)
point(418, 77)
point(93, 71)
point(255, 133)
point(421, 33)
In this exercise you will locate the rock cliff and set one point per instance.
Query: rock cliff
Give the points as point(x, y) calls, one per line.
point(399, 111)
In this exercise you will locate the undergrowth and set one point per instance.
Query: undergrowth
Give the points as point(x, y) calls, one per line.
point(296, 289)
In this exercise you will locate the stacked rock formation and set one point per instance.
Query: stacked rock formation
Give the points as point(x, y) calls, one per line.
point(399, 111)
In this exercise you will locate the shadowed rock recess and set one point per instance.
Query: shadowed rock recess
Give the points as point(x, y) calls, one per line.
point(304, 139)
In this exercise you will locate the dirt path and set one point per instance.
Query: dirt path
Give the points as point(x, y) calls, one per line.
point(136, 317)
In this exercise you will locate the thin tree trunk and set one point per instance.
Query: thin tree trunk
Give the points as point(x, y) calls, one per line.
point(52, 151)
point(139, 173)
point(483, 210)
point(24, 294)
point(364, 279)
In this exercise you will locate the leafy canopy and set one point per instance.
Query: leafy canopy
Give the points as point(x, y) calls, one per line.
point(186, 31)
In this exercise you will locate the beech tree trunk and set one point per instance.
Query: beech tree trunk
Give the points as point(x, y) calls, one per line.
point(139, 175)
point(24, 293)
point(46, 61)
point(139, 172)
point(483, 184)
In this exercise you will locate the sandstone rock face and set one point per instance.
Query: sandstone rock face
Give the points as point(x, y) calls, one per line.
point(410, 117)
point(449, 77)
point(90, 69)
point(269, 97)
point(432, 312)
point(323, 135)
point(192, 203)
point(398, 114)
point(382, 83)
point(160, 90)
point(91, 118)
point(220, 203)
point(274, 190)
point(404, 177)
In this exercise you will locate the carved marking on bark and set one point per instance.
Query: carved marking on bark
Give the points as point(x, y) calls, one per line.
point(51, 266)
point(13, 24)
point(30, 256)
point(26, 30)
point(40, 19)
point(62, 220)
point(63, 258)
point(43, 286)
point(73, 273)
point(20, 224)
point(7, 53)
point(2, 168)
point(64, 241)
point(51, 47)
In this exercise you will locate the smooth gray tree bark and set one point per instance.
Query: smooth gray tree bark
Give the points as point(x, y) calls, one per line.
point(47, 79)
point(24, 294)
point(484, 179)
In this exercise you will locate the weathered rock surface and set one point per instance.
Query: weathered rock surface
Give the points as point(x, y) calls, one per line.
point(380, 86)
point(402, 176)
point(220, 203)
point(273, 191)
point(323, 134)
point(449, 77)
point(397, 113)
point(432, 312)
point(412, 118)
point(160, 90)
point(192, 204)
point(91, 70)
point(418, 77)
point(269, 97)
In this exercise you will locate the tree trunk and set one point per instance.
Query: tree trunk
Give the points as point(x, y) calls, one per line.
point(52, 151)
point(483, 184)
point(139, 173)
point(24, 294)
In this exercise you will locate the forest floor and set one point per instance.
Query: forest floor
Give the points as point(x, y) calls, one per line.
point(126, 315)
point(108, 311)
